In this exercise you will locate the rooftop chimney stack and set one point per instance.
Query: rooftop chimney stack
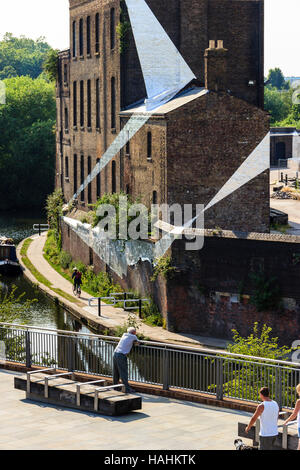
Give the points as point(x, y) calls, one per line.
point(215, 59)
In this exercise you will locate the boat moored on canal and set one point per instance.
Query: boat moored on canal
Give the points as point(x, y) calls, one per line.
point(9, 264)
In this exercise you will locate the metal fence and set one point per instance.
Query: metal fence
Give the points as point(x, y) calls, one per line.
point(167, 365)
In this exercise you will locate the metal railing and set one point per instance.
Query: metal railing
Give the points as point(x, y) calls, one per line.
point(113, 298)
point(40, 228)
point(220, 374)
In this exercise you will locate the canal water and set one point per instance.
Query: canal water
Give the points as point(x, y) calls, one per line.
point(43, 313)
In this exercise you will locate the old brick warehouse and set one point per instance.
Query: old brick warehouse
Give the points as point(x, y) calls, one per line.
point(184, 154)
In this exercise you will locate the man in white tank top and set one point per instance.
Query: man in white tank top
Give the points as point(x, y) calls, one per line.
point(268, 412)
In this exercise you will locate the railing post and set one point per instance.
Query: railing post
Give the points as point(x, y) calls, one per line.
point(140, 308)
point(27, 349)
point(70, 354)
point(166, 370)
point(278, 387)
point(219, 373)
point(99, 307)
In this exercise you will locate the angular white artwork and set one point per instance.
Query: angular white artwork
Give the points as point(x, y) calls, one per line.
point(165, 71)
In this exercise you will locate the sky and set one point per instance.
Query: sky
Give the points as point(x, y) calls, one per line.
point(50, 18)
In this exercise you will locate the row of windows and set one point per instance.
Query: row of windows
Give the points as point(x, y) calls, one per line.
point(88, 90)
point(79, 37)
point(80, 164)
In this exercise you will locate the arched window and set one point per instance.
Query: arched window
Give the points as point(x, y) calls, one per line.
point(112, 29)
point(74, 39)
point(81, 103)
point(113, 103)
point(113, 178)
point(97, 33)
point(81, 37)
point(88, 35)
point(75, 104)
point(149, 145)
point(98, 124)
point(89, 104)
point(82, 176)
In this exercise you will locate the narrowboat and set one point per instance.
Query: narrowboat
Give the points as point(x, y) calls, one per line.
point(9, 264)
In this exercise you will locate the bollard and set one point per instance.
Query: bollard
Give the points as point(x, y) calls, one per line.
point(286, 179)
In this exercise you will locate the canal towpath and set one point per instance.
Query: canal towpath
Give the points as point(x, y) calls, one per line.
point(111, 317)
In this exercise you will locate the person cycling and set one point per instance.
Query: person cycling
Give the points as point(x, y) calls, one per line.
point(77, 281)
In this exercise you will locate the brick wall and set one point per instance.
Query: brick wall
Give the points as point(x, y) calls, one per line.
point(200, 297)
point(207, 140)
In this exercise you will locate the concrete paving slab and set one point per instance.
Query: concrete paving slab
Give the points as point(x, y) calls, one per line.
point(27, 425)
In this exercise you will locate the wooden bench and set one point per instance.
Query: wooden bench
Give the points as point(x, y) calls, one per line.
point(58, 389)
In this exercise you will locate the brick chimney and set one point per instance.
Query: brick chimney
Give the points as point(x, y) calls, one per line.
point(215, 60)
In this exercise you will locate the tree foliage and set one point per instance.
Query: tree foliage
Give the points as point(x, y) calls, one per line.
point(276, 79)
point(13, 306)
point(27, 143)
point(22, 56)
point(50, 66)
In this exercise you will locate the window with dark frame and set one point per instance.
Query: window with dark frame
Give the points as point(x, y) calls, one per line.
point(98, 183)
point(113, 177)
point(113, 103)
point(66, 167)
point(66, 119)
point(75, 104)
point(90, 184)
point(74, 39)
point(88, 35)
point(149, 145)
point(81, 37)
point(98, 104)
point(82, 177)
point(97, 33)
point(81, 103)
point(75, 173)
point(89, 104)
point(112, 29)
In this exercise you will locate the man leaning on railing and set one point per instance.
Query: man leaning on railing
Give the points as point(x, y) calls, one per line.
point(268, 412)
point(120, 365)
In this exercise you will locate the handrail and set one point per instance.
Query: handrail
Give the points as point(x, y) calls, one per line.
point(225, 354)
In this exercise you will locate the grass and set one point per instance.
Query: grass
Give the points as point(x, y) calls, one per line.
point(39, 277)
point(280, 228)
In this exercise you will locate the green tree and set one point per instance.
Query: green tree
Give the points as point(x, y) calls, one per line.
point(22, 56)
point(27, 143)
point(50, 66)
point(277, 80)
point(278, 104)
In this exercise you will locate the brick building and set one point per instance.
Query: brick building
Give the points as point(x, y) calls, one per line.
point(188, 149)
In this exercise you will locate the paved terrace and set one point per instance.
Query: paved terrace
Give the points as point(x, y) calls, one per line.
point(111, 317)
point(163, 423)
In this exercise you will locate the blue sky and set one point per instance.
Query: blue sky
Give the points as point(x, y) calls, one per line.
point(49, 18)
